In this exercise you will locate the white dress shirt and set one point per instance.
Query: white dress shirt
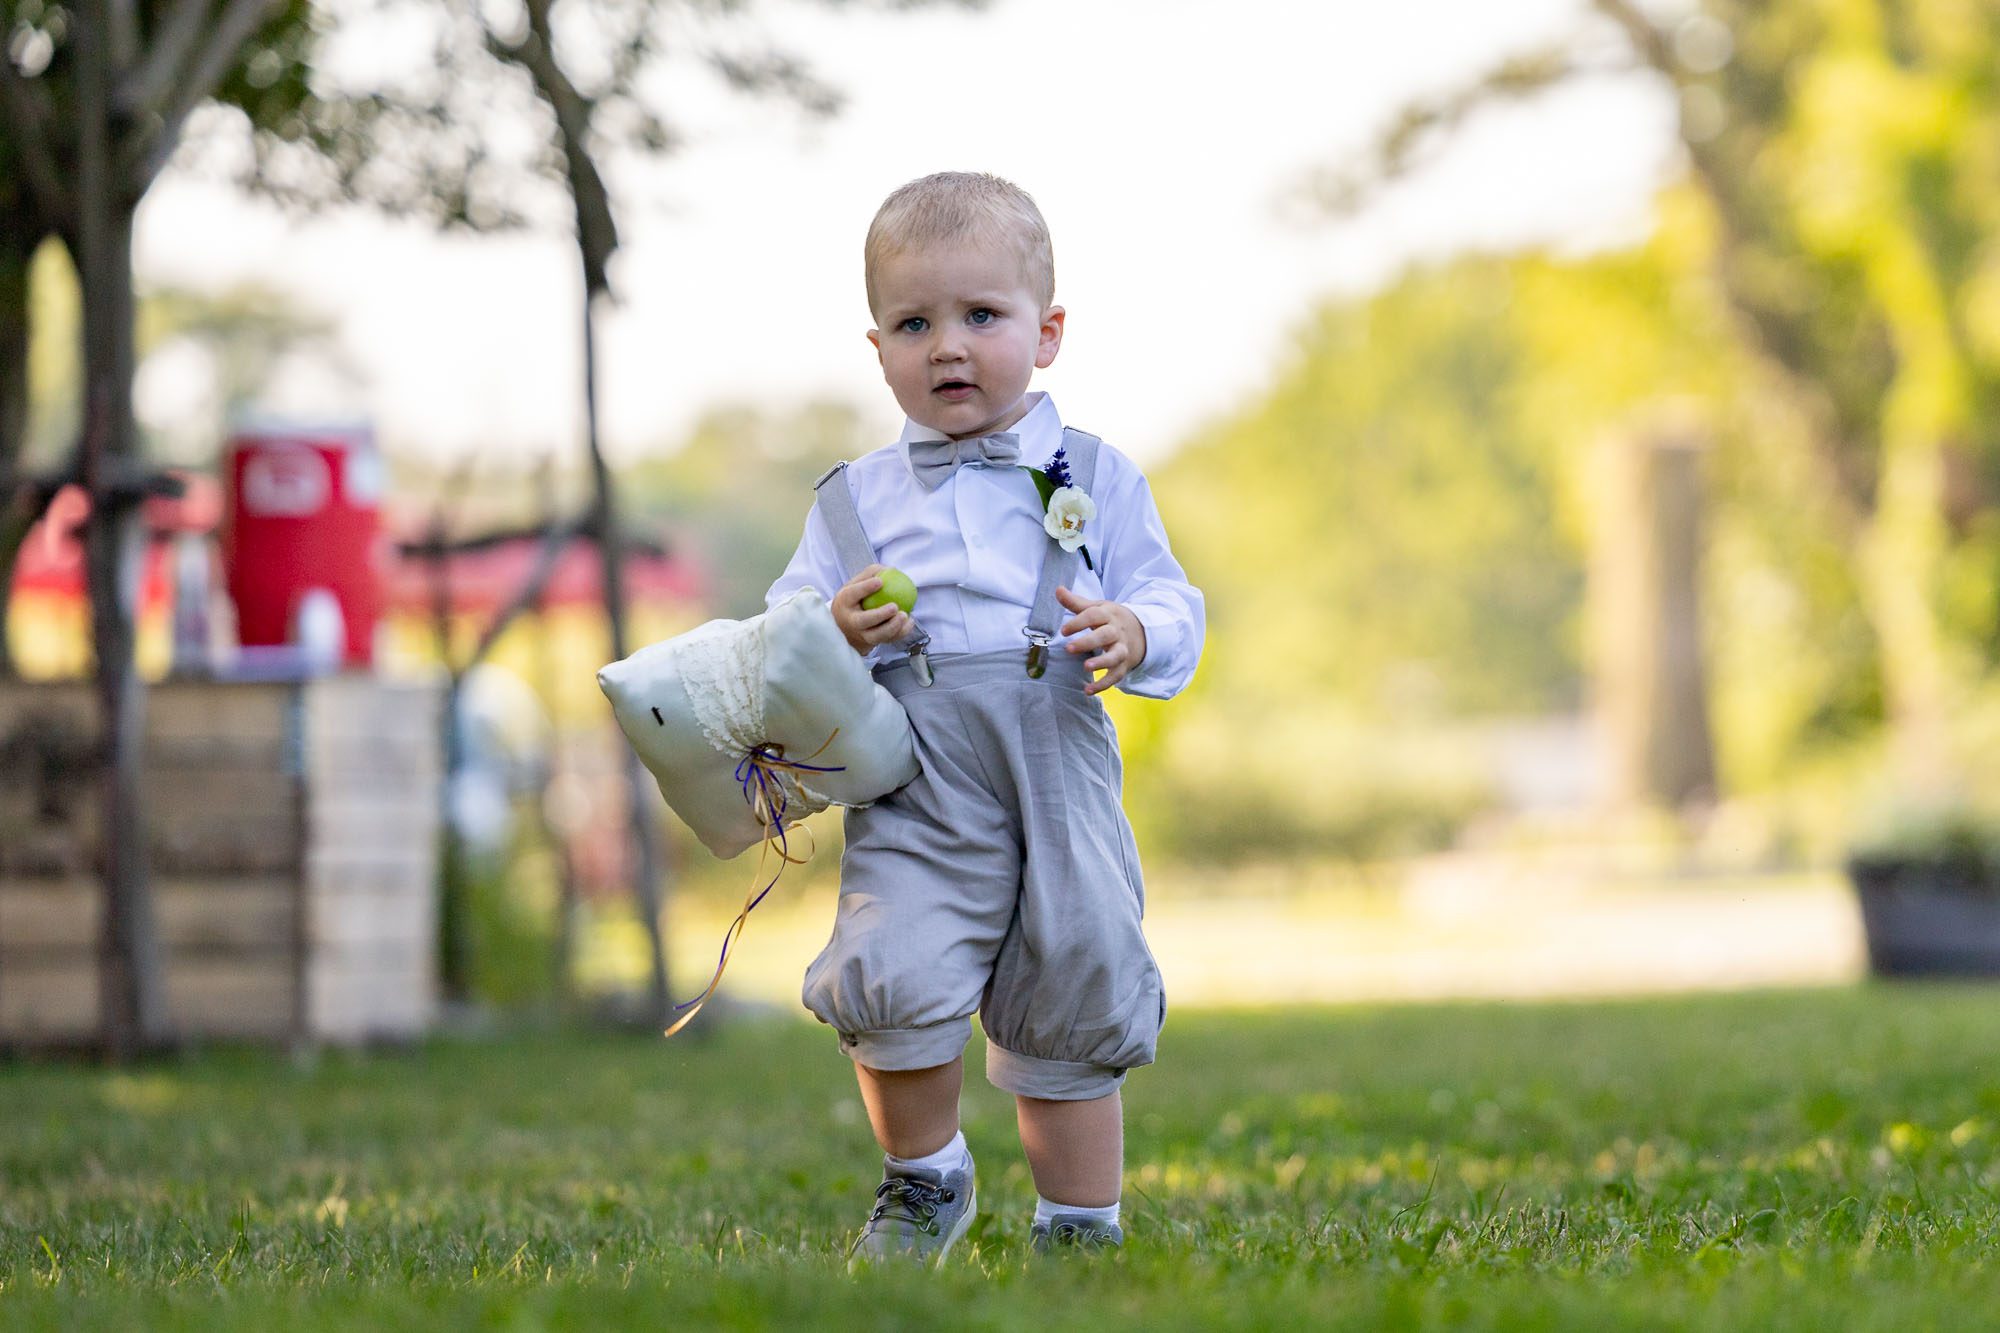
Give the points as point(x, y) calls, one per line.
point(974, 549)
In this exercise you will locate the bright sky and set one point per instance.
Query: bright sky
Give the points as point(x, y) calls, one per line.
point(1158, 137)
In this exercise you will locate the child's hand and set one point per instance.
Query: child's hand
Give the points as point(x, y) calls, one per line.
point(1113, 633)
point(866, 629)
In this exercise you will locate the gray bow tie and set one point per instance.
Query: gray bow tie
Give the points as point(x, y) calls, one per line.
point(934, 460)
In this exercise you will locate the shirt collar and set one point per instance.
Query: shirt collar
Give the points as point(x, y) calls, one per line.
point(1040, 430)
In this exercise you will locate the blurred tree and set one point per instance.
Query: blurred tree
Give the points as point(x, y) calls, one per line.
point(96, 96)
point(166, 60)
point(1846, 159)
point(95, 99)
point(1382, 529)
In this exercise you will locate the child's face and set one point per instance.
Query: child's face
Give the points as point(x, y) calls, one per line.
point(961, 335)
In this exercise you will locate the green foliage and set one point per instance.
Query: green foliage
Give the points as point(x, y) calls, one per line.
point(511, 911)
point(1379, 529)
point(1836, 221)
point(1805, 1160)
point(737, 493)
point(1043, 486)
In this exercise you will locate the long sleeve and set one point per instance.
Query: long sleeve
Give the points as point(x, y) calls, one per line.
point(814, 564)
point(1139, 570)
point(974, 547)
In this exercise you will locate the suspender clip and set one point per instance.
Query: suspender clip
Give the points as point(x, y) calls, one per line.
point(1038, 653)
point(920, 662)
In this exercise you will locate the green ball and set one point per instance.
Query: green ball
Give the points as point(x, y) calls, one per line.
point(896, 587)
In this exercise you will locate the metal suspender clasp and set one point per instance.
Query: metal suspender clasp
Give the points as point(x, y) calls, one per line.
point(827, 475)
point(1038, 653)
point(920, 661)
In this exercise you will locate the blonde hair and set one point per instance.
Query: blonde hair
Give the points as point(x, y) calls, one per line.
point(958, 207)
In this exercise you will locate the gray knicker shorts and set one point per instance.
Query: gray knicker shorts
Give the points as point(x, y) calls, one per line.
point(1002, 881)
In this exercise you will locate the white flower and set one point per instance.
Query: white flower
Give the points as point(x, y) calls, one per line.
point(1068, 508)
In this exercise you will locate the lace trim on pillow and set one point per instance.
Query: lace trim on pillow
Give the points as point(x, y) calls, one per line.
point(723, 673)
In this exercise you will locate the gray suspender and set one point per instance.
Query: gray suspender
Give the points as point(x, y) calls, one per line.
point(836, 506)
point(1059, 566)
point(856, 552)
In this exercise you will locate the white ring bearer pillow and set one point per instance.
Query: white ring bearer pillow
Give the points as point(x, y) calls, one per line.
point(702, 708)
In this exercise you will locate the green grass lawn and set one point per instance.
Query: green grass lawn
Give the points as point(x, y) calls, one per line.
point(1801, 1160)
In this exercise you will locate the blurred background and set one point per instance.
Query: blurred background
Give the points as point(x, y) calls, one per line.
point(1580, 416)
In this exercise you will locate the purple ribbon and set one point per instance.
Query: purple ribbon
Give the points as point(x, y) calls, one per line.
point(757, 775)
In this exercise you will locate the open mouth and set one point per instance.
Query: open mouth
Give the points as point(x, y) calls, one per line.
point(953, 389)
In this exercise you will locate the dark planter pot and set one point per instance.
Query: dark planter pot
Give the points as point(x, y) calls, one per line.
point(1926, 919)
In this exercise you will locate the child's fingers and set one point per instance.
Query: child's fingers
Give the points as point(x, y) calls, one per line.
point(1089, 619)
point(1072, 600)
point(857, 588)
point(885, 624)
point(1115, 655)
point(1091, 636)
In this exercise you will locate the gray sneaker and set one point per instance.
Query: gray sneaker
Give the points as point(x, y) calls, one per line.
point(1069, 1231)
point(918, 1215)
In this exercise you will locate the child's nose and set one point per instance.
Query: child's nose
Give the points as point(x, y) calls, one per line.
point(948, 347)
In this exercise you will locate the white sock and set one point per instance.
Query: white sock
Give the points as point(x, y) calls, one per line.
point(1045, 1211)
point(953, 1154)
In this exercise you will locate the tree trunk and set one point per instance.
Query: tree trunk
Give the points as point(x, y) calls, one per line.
point(14, 507)
point(134, 1006)
point(638, 801)
point(1648, 668)
point(454, 879)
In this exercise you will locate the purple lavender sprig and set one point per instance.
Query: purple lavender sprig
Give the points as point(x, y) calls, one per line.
point(1057, 470)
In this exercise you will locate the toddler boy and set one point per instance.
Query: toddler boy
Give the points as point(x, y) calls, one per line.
point(1004, 879)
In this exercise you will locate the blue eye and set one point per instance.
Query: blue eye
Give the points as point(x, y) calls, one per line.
point(981, 316)
point(914, 324)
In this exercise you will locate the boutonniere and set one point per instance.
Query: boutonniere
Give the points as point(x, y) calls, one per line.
point(1064, 508)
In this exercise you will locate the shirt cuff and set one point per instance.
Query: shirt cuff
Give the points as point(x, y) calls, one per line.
point(1153, 677)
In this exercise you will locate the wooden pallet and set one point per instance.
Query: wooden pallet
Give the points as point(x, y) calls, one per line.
point(293, 830)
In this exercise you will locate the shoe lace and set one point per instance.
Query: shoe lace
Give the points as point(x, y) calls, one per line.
point(1070, 1233)
point(912, 1201)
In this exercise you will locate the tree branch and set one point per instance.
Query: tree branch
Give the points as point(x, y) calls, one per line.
point(124, 35)
point(429, 548)
point(596, 230)
point(1343, 191)
point(1778, 339)
point(530, 592)
point(144, 93)
point(151, 143)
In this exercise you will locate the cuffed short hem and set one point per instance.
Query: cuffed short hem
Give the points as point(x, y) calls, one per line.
point(908, 1048)
point(1050, 1080)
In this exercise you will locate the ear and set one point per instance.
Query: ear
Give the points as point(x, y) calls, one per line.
point(875, 340)
point(1051, 340)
